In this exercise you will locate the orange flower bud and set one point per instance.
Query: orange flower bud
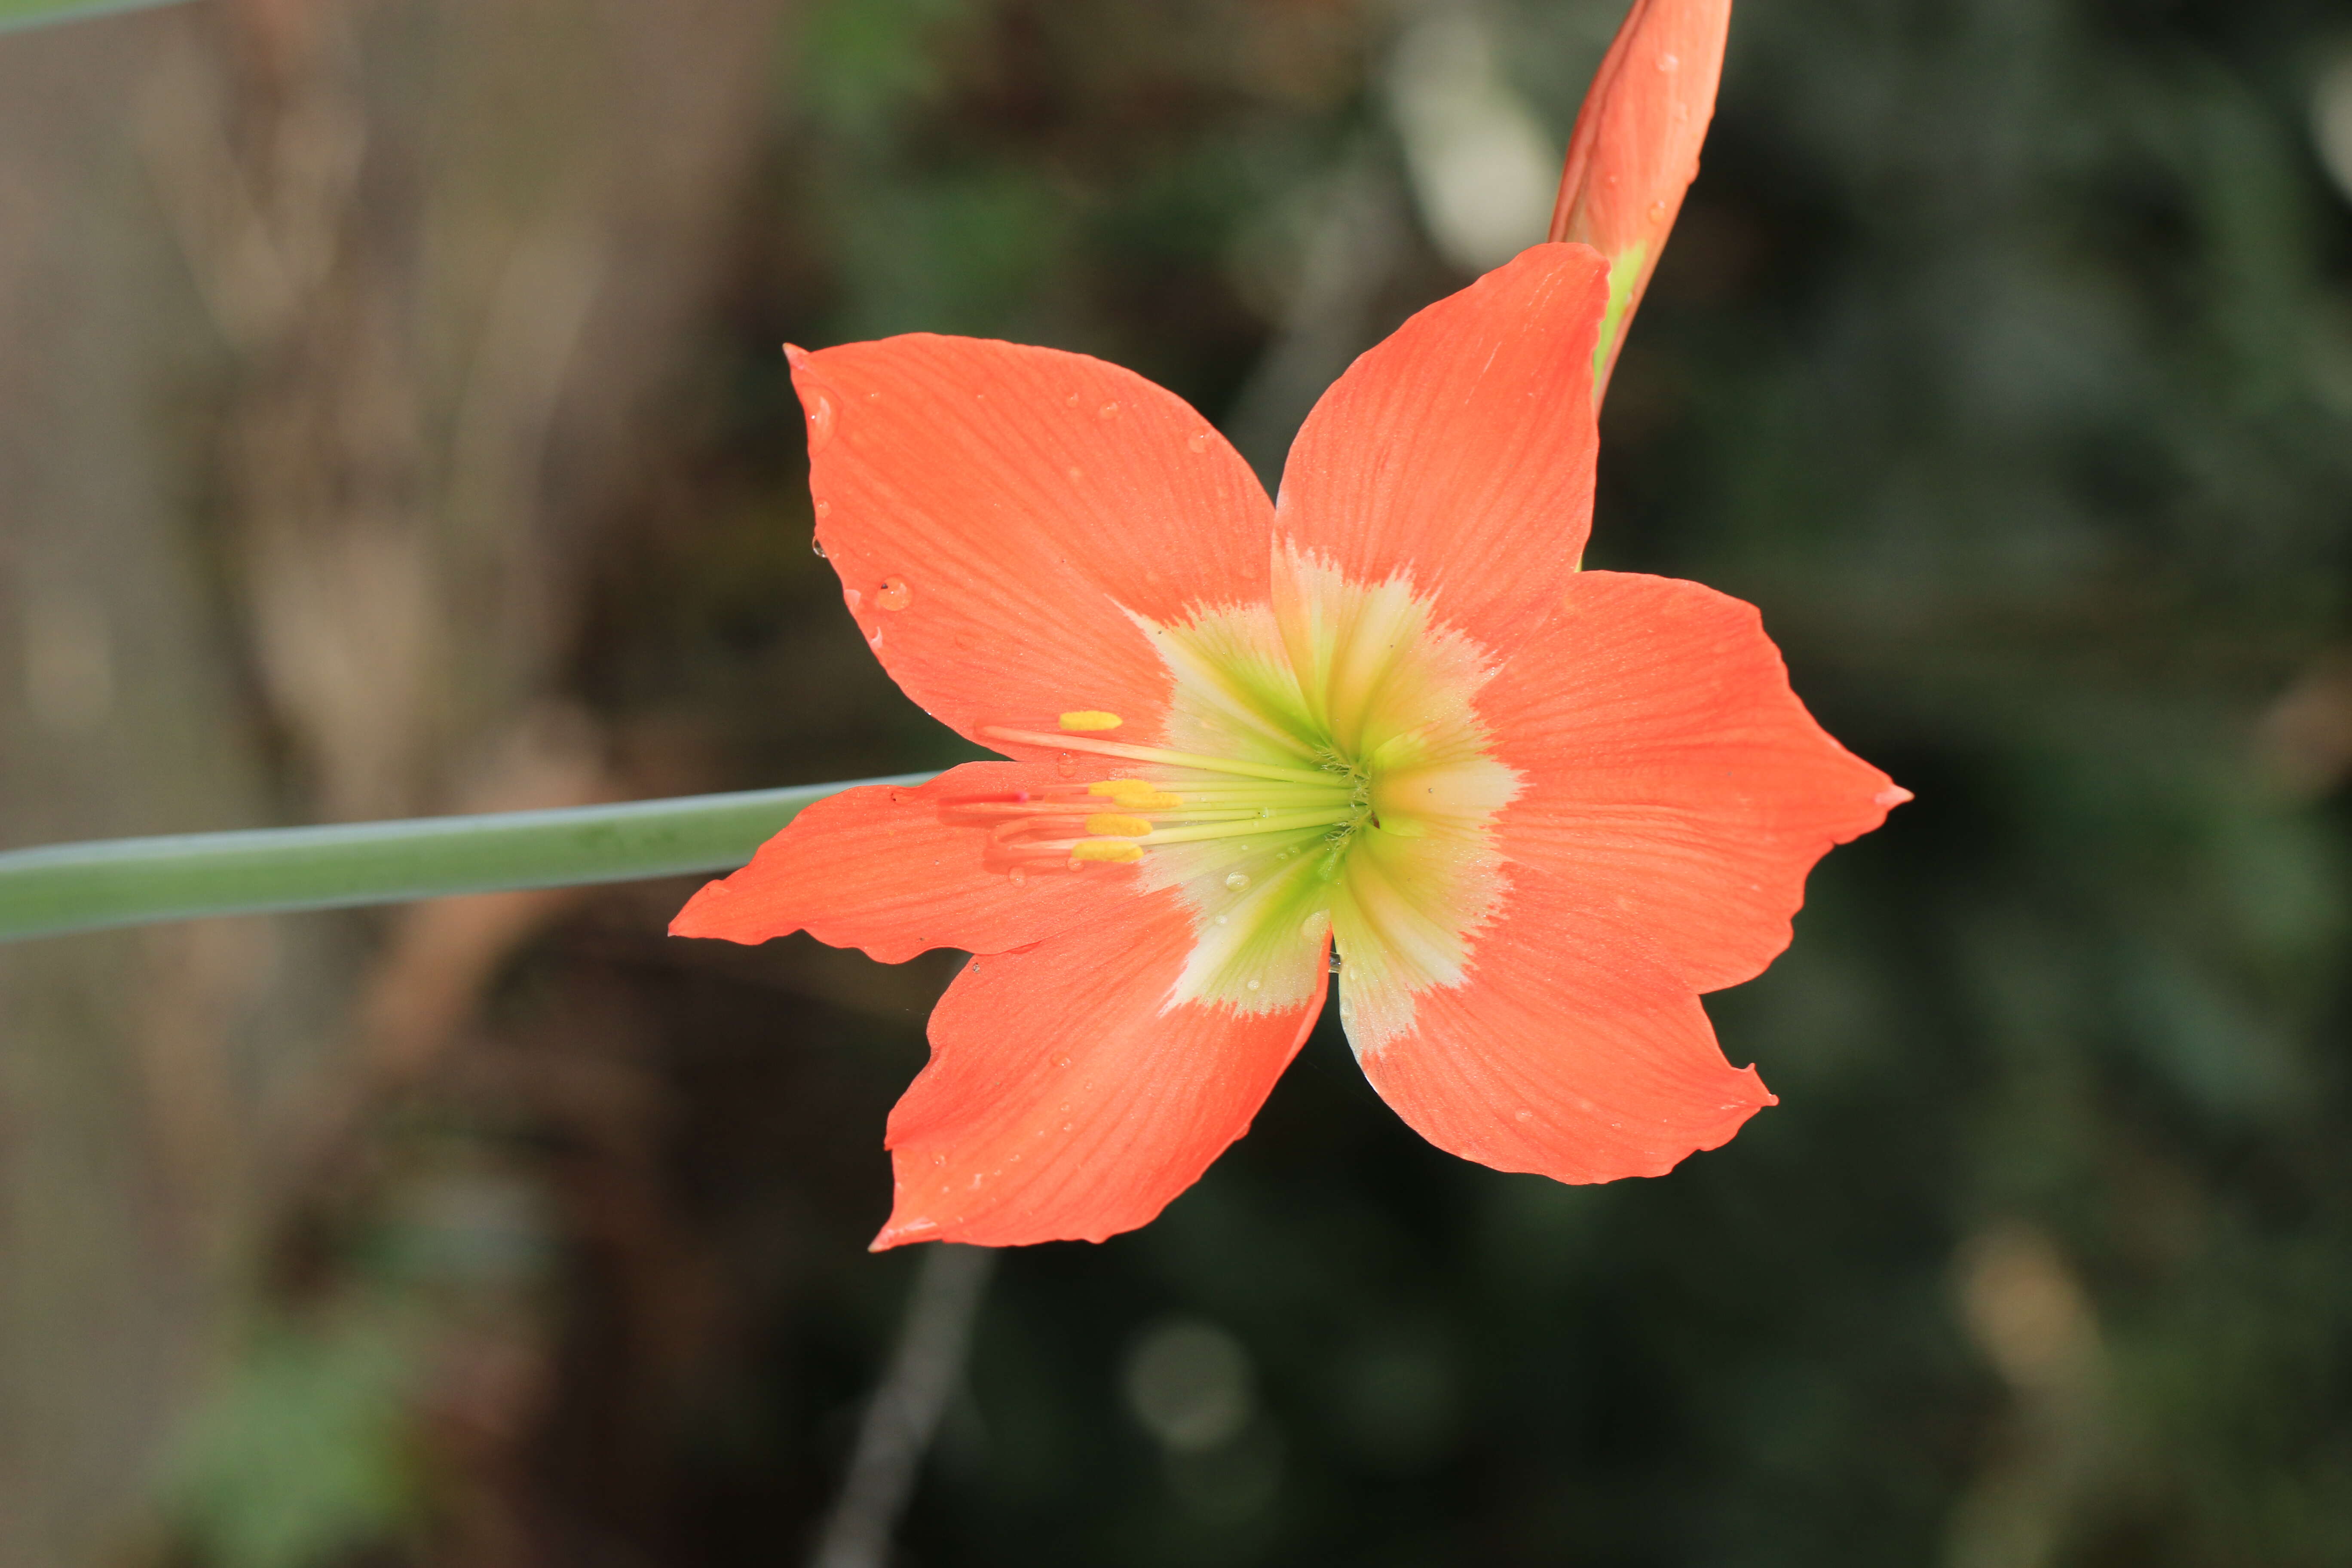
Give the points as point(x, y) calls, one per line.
point(1635, 148)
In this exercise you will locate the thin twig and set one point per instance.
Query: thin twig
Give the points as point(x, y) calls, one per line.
point(898, 1425)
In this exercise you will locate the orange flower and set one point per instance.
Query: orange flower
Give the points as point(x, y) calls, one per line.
point(1538, 810)
point(1634, 151)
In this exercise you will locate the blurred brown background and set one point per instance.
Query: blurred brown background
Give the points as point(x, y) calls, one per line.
point(390, 422)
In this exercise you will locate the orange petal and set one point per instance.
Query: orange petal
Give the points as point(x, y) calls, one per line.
point(996, 512)
point(879, 869)
point(1461, 449)
point(1668, 769)
point(1065, 1099)
point(1569, 1049)
point(1635, 148)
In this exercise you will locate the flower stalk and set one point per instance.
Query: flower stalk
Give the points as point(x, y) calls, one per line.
point(16, 13)
point(57, 889)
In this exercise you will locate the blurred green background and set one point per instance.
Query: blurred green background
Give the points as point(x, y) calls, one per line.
point(390, 421)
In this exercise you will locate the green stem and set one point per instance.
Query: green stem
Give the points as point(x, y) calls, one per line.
point(16, 13)
point(128, 881)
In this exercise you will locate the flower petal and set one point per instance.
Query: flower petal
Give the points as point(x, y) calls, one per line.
point(999, 514)
point(1460, 450)
point(1669, 770)
point(1067, 1098)
point(1570, 1049)
point(880, 869)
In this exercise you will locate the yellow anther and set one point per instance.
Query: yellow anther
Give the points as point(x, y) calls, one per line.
point(1118, 852)
point(1110, 826)
point(1090, 718)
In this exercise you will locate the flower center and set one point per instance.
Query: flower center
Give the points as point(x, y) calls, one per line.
point(1323, 775)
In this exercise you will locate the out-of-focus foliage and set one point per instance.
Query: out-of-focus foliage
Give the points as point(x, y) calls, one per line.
point(2003, 355)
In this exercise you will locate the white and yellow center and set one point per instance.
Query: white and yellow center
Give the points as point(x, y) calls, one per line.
point(1322, 775)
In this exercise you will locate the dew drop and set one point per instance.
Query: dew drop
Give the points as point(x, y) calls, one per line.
point(1265, 811)
point(824, 509)
point(1108, 411)
point(1066, 1108)
point(1017, 876)
point(1523, 1116)
point(874, 639)
point(1669, 61)
point(1067, 765)
point(894, 594)
point(1237, 881)
point(1682, 111)
point(939, 1158)
point(1657, 212)
point(820, 424)
point(1221, 919)
point(1061, 1061)
point(1252, 985)
point(1074, 400)
point(1065, 1126)
point(1335, 961)
point(816, 547)
point(873, 397)
point(1198, 441)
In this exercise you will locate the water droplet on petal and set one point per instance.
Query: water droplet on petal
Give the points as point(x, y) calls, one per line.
point(1108, 411)
point(1065, 1126)
point(939, 1158)
point(1523, 1116)
point(1669, 61)
point(1062, 1062)
point(1265, 811)
point(894, 594)
point(820, 424)
point(1017, 876)
point(1657, 212)
point(1066, 764)
point(1198, 441)
point(824, 509)
point(1252, 985)
point(816, 546)
point(1221, 919)
point(1074, 400)
point(1237, 881)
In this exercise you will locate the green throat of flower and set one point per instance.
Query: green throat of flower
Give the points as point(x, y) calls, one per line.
point(1323, 775)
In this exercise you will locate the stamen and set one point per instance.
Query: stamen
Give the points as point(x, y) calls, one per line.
point(1090, 719)
point(1167, 757)
point(1135, 794)
point(1113, 850)
point(1253, 825)
point(1110, 826)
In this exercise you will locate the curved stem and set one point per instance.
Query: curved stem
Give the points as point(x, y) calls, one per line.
point(898, 1425)
point(128, 881)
